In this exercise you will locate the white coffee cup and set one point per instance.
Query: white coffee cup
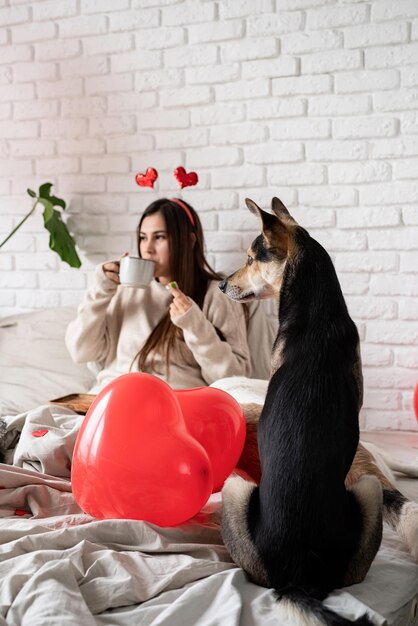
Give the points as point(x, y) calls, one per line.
point(136, 272)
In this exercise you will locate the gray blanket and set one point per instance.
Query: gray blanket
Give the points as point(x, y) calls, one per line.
point(59, 566)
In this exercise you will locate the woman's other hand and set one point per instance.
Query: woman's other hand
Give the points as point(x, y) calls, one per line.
point(181, 303)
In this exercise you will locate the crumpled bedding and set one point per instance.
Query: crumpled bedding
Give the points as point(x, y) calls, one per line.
point(60, 566)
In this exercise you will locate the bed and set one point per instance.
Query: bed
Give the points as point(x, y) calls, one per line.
point(60, 566)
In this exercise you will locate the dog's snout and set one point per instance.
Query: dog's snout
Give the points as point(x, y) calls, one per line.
point(222, 284)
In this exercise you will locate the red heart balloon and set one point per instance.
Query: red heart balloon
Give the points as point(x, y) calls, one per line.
point(215, 419)
point(148, 179)
point(134, 457)
point(185, 179)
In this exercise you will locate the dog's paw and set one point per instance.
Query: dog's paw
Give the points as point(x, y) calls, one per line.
point(408, 527)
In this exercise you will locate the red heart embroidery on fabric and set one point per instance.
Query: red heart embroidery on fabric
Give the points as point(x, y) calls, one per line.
point(185, 179)
point(148, 179)
point(40, 433)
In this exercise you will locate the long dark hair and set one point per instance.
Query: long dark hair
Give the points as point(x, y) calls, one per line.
point(188, 266)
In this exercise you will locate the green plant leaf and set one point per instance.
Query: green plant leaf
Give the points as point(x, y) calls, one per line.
point(49, 207)
point(60, 239)
point(45, 192)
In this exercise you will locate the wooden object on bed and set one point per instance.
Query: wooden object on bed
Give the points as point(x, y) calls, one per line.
point(78, 402)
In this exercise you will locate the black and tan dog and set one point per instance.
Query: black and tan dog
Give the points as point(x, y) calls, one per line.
point(301, 531)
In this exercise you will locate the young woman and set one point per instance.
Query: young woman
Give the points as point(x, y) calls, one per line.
point(189, 336)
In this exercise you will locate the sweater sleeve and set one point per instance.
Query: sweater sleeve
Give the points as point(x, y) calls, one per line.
point(87, 337)
point(217, 358)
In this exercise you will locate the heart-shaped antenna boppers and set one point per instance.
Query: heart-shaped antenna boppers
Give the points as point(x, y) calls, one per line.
point(185, 179)
point(148, 179)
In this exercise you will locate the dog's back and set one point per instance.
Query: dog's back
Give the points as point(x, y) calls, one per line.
point(308, 431)
point(303, 525)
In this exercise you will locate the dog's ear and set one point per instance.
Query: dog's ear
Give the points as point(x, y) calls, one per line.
point(253, 207)
point(267, 221)
point(274, 231)
point(281, 212)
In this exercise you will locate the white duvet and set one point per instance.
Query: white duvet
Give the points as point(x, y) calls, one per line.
point(59, 566)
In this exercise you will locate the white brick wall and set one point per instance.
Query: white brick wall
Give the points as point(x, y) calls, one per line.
point(315, 101)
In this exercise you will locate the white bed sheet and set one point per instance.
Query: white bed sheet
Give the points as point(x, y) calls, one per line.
point(60, 566)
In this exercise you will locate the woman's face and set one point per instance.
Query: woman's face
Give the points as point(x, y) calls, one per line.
point(154, 245)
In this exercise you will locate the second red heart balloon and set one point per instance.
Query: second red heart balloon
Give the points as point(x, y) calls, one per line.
point(215, 420)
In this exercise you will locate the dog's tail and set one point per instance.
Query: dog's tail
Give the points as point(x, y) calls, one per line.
point(301, 609)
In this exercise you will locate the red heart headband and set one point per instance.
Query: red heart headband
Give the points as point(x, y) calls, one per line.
point(183, 178)
point(185, 208)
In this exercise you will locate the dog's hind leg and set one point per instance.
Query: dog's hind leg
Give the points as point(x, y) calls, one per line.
point(400, 513)
point(368, 495)
point(236, 495)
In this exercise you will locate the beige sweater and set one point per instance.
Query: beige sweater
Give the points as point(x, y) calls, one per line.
point(113, 323)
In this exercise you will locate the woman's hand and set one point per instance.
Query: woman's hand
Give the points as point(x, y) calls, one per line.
point(181, 303)
point(112, 268)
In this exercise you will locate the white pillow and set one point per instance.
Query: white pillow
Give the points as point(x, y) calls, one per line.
point(244, 390)
point(34, 363)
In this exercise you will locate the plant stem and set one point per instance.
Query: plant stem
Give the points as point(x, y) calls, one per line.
point(20, 224)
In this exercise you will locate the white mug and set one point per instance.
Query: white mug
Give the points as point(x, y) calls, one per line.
point(136, 272)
